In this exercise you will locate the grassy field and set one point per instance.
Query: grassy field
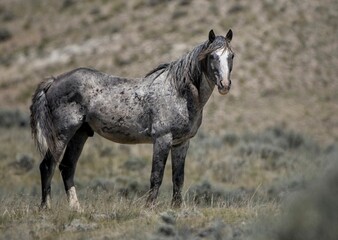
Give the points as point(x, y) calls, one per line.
point(263, 164)
point(231, 183)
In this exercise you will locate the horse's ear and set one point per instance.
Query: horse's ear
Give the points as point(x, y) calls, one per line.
point(212, 36)
point(229, 35)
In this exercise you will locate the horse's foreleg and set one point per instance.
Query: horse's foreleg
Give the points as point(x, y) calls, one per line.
point(178, 154)
point(162, 146)
point(47, 168)
point(68, 165)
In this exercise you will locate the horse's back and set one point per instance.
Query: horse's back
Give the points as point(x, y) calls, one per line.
point(87, 78)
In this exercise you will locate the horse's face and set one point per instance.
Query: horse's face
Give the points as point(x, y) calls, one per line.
point(219, 62)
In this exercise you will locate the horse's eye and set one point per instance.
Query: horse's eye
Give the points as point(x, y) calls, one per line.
point(214, 56)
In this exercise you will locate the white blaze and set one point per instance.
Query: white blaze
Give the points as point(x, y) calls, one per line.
point(224, 63)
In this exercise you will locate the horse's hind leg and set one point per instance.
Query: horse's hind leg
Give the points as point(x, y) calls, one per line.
point(47, 168)
point(68, 164)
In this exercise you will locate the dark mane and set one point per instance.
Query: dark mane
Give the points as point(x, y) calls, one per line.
point(162, 67)
point(188, 68)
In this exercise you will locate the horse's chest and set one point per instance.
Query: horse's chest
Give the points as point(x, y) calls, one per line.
point(186, 127)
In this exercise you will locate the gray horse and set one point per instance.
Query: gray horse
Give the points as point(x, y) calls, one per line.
point(163, 108)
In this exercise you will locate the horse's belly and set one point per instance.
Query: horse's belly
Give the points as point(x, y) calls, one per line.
point(126, 138)
point(121, 130)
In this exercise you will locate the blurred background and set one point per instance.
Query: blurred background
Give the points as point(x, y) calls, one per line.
point(285, 66)
point(276, 128)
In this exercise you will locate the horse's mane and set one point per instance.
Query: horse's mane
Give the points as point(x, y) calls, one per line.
point(162, 67)
point(188, 68)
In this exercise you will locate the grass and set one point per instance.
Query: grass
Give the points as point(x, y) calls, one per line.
point(226, 187)
point(113, 219)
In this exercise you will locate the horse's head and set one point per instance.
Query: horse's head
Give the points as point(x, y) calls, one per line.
point(217, 60)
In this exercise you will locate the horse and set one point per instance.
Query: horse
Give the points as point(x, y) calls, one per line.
point(163, 108)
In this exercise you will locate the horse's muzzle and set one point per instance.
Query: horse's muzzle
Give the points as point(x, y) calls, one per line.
point(224, 89)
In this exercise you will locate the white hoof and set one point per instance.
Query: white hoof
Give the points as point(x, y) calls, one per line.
point(74, 204)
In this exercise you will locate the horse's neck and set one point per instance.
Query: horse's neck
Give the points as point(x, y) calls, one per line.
point(205, 90)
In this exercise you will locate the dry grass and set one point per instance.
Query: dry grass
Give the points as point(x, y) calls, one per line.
point(229, 183)
point(107, 215)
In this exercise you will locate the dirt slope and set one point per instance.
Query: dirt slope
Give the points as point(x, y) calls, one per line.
point(285, 66)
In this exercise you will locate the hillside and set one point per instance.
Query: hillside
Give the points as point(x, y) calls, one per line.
point(286, 52)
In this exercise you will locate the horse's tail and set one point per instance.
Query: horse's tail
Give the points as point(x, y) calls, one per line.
point(43, 130)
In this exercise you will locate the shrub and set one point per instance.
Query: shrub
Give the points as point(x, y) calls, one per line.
point(23, 164)
point(13, 118)
point(135, 164)
point(6, 15)
point(5, 34)
point(230, 139)
point(68, 3)
point(207, 194)
point(310, 214)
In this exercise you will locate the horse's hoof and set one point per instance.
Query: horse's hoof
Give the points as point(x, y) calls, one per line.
point(44, 207)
